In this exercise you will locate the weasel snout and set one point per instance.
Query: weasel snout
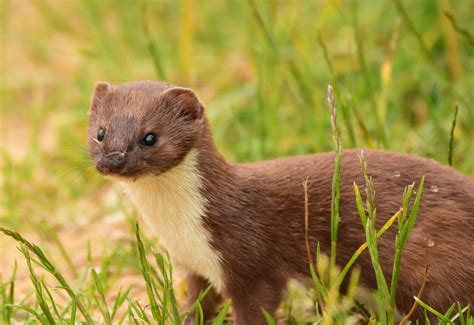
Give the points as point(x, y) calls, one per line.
point(112, 163)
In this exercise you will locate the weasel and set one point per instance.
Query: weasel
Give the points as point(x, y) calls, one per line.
point(241, 228)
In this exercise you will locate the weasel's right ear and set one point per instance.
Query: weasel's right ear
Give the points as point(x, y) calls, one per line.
point(100, 93)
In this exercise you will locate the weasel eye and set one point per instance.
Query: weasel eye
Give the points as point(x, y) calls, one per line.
point(149, 139)
point(101, 134)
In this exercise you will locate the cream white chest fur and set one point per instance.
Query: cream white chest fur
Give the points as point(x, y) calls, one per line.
point(173, 207)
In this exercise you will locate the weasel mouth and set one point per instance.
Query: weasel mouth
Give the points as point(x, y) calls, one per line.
point(111, 168)
point(123, 173)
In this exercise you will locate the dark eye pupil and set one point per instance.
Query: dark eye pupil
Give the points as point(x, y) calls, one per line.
point(101, 134)
point(149, 139)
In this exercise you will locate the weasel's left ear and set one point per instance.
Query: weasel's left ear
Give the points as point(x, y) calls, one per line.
point(100, 93)
point(183, 102)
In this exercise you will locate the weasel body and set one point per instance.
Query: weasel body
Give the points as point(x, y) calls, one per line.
point(241, 227)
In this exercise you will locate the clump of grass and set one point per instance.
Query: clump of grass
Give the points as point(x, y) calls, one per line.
point(161, 295)
point(162, 302)
point(385, 295)
point(327, 277)
point(333, 305)
point(47, 265)
point(151, 288)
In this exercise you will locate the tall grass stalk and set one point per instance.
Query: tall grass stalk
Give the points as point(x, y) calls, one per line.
point(382, 294)
point(329, 291)
point(405, 226)
point(345, 107)
point(451, 136)
point(306, 222)
point(385, 296)
point(335, 191)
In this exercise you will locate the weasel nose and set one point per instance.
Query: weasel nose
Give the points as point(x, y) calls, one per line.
point(112, 162)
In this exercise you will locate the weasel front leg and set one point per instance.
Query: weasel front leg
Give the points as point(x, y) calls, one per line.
point(196, 285)
point(249, 300)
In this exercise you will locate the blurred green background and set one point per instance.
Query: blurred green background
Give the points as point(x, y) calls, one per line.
point(261, 67)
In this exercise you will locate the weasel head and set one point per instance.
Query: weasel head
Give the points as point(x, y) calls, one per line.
point(142, 128)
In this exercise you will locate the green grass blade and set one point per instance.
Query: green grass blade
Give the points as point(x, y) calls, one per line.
point(220, 318)
point(7, 296)
point(141, 313)
point(373, 250)
point(362, 247)
point(121, 297)
point(432, 310)
point(166, 271)
point(196, 303)
point(131, 315)
point(317, 282)
point(38, 286)
point(360, 205)
point(31, 311)
point(3, 302)
point(400, 243)
point(460, 314)
point(448, 313)
point(410, 223)
point(73, 311)
point(11, 295)
point(53, 303)
point(268, 317)
point(103, 301)
point(407, 193)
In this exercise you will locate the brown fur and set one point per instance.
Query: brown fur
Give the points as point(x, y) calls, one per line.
point(255, 211)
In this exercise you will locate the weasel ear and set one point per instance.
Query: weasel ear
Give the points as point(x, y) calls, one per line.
point(100, 93)
point(183, 102)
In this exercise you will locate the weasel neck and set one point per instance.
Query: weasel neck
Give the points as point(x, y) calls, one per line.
point(173, 206)
point(216, 172)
